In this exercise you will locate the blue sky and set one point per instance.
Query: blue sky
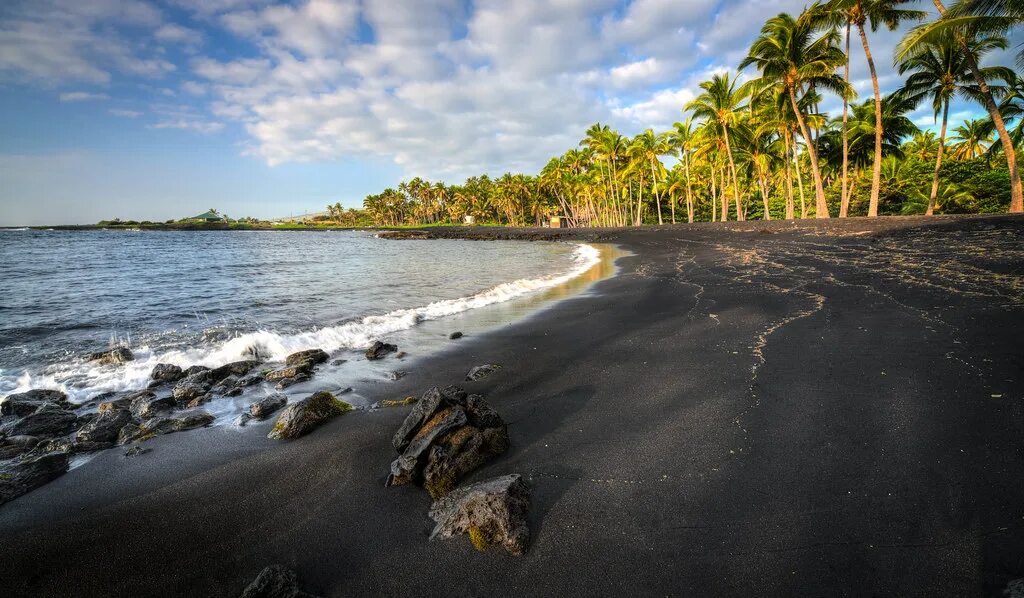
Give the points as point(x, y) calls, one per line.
point(158, 109)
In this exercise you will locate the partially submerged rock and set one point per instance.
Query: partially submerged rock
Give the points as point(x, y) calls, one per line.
point(166, 372)
point(275, 581)
point(410, 400)
point(30, 472)
point(379, 349)
point(302, 417)
point(185, 420)
point(148, 405)
point(290, 372)
point(446, 436)
point(482, 371)
point(311, 356)
point(115, 356)
point(235, 368)
point(455, 335)
point(263, 408)
point(492, 512)
point(25, 403)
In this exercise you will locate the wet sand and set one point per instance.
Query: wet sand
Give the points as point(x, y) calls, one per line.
point(751, 408)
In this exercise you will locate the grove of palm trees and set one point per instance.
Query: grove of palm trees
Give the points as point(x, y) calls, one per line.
point(754, 144)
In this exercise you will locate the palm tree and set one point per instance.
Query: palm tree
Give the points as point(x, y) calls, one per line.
point(681, 137)
point(971, 140)
point(922, 146)
point(940, 71)
point(646, 148)
point(963, 23)
point(720, 103)
point(788, 54)
point(876, 13)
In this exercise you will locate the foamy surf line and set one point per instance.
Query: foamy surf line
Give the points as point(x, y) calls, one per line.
point(82, 381)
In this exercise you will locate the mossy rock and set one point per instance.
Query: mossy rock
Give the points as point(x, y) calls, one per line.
point(301, 418)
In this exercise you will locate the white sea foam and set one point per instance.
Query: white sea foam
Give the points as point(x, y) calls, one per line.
point(84, 380)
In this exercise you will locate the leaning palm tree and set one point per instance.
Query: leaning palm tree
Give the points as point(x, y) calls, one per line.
point(939, 71)
point(788, 54)
point(876, 13)
point(971, 140)
point(964, 22)
point(720, 103)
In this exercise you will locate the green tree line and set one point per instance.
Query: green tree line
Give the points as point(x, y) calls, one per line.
point(763, 149)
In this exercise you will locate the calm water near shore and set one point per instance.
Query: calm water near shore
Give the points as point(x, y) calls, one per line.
point(209, 298)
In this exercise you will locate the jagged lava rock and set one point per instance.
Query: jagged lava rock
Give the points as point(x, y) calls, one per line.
point(25, 403)
point(263, 408)
point(482, 371)
point(166, 372)
point(48, 421)
point(306, 415)
point(379, 349)
point(115, 356)
point(491, 512)
point(275, 581)
point(29, 473)
point(105, 427)
point(311, 356)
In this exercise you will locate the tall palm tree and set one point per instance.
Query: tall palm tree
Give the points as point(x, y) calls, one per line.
point(788, 53)
point(939, 71)
point(721, 103)
point(646, 148)
point(971, 140)
point(876, 13)
point(963, 23)
point(681, 137)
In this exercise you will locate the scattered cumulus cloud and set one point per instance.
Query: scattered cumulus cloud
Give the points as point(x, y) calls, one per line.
point(125, 113)
point(199, 126)
point(82, 96)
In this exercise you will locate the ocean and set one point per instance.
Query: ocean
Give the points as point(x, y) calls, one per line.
point(209, 298)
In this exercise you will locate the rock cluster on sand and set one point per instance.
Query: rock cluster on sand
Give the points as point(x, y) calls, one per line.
point(263, 408)
point(446, 435)
point(298, 368)
point(275, 581)
point(306, 415)
point(492, 512)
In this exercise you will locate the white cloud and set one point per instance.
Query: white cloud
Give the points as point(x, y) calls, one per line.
point(193, 88)
point(171, 32)
point(82, 96)
point(125, 113)
point(199, 126)
point(312, 28)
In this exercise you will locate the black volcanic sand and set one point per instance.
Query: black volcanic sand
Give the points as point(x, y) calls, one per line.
point(747, 409)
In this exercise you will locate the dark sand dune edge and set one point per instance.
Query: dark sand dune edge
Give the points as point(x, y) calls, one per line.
point(811, 408)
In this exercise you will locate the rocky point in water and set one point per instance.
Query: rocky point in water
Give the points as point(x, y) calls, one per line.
point(379, 349)
point(115, 356)
point(306, 415)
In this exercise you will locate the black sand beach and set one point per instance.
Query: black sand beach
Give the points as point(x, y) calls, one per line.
point(746, 409)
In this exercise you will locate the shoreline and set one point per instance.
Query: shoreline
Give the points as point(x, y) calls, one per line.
point(666, 422)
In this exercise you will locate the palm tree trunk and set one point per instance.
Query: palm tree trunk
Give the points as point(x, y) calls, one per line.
point(938, 160)
point(876, 173)
point(732, 170)
point(844, 202)
point(714, 195)
point(764, 197)
point(725, 200)
point(821, 207)
point(689, 193)
point(657, 198)
point(1016, 193)
point(789, 183)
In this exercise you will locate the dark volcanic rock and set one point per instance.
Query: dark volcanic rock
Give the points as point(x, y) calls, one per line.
point(24, 403)
point(185, 420)
point(338, 362)
point(264, 407)
point(275, 582)
point(286, 382)
point(481, 371)
point(48, 421)
point(26, 474)
point(195, 369)
point(115, 356)
point(115, 404)
point(432, 401)
point(12, 446)
point(294, 371)
point(446, 436)
point(145, 407)
point(135, 451)
point(105, 427)
point(250, 380)
point(379, 350)
point(167, 372)
point(71, 446)
point(192, 386)
point(455, 335)
point(491, 512)
point(235, 368)
point(304, 416)
point(311, 356)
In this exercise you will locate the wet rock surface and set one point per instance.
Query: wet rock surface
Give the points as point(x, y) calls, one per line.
point(23, 475)
point(166, 372)
point(25, 403)
point(276, 581)
point(115, 356)
point(482, 371)
point(446, 435)
point(48, 421)
point(492, 512)
point(266, 406)
point(379, 349)
point(105, 427)
point(302, 417)
point(311, 356)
